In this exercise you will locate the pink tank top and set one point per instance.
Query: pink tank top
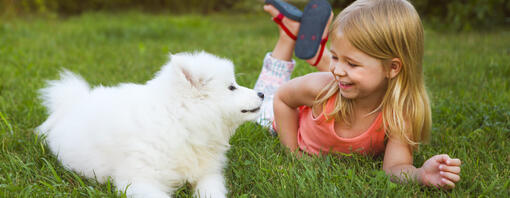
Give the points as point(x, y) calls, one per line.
point(317, 135)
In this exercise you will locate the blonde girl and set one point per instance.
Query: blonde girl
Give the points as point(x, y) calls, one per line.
point(369, 96)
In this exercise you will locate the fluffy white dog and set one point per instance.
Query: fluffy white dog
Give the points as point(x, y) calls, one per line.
point(151, 138)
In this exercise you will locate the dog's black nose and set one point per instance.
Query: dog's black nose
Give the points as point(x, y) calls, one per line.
point(261, 95)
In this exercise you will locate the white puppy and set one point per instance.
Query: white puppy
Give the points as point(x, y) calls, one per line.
point(151, 138)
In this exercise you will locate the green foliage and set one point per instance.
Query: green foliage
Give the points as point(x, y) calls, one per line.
point(464, 14)
point(466, 74)
point(67, 7)
point(456, 15)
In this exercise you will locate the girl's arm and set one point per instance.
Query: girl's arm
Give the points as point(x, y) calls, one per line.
point(439, 170)
point(291, 95)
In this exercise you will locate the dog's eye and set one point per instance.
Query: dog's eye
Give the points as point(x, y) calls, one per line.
point(231, 88)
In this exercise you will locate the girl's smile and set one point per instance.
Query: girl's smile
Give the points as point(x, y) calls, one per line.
point(345, 85)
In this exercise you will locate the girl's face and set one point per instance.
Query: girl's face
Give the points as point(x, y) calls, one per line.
point(359, 75)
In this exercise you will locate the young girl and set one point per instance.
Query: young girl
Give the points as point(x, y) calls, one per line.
point(369, 97)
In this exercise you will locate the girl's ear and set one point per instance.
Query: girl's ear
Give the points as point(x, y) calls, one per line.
point(395, 67)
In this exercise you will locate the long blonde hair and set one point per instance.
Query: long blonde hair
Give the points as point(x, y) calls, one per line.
point(386, 29)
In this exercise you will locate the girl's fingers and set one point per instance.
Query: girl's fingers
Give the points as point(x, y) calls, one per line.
point(453, 162)
point(447, 183)
point(450, 176)
point(451, 169)
point(443, 158)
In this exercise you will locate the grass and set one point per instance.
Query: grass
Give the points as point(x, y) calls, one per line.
point(467, 74)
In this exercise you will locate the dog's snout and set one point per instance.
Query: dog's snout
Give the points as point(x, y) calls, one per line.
point(261, 95)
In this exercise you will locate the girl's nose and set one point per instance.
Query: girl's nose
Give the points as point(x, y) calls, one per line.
point(338, 70)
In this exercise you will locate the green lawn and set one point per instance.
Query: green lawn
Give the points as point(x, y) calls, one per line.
point(467, 74)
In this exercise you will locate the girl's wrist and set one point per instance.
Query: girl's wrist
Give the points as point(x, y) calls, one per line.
point(420, 175)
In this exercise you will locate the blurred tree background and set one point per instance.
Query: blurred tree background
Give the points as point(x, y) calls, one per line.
point(457, 15)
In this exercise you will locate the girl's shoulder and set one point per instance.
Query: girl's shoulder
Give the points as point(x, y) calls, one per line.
point(314, 83)
point(317, 80)
point(320, 76)
point(303, 90)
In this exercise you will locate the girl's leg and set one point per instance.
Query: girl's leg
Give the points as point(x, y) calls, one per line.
point(278, 66)
point(274, 73)
point(284, 48)
point(276, 69)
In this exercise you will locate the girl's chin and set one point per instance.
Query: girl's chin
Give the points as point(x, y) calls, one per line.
point(347, 95)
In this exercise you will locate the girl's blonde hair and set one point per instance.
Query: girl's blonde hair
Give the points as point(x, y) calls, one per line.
point(386, 29)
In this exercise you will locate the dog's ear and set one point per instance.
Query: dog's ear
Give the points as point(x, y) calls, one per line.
point(194, 81)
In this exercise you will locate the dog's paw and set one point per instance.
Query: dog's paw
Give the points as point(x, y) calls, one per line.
point(212, 186)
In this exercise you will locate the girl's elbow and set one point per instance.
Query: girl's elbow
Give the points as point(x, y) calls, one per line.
point(387, 170)
point(277, 100)
point(280, 99)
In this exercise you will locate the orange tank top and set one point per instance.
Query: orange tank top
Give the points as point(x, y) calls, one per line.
point(317, 135)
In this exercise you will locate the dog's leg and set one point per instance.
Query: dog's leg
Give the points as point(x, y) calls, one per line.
point(139, 189)
point(211, 186)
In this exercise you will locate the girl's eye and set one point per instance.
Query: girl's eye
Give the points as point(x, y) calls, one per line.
point(334, 58)
point(231, 88)
point(351, 64)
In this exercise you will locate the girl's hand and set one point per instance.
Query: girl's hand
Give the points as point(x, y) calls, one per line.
point(440, 171)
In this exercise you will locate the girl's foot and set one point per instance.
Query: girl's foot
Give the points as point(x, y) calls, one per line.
point(291, 25)
point(284, 47)
point(313, 31)
point(322, 58)
point(286, 9)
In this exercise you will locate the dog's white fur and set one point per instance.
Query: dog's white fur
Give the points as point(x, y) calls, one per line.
point(151, 138)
